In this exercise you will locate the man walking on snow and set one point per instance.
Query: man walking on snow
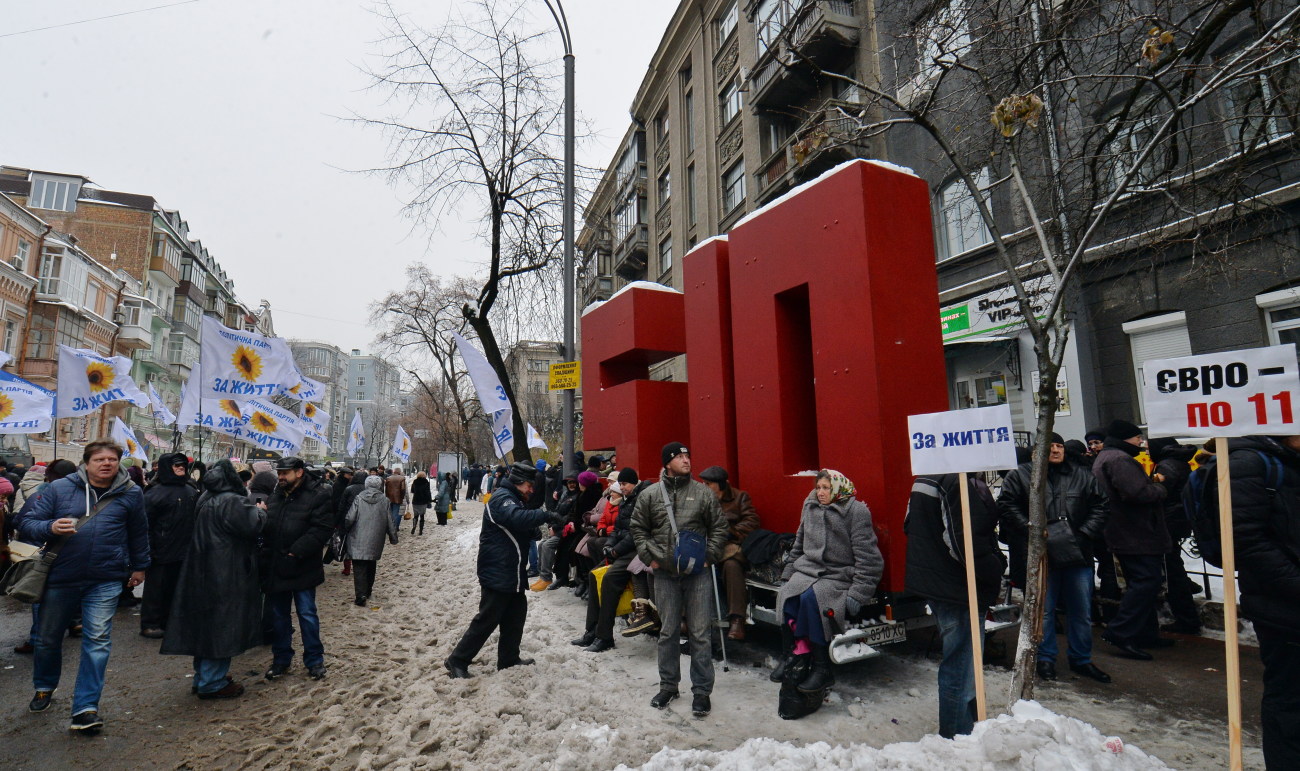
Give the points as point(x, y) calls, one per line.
point(508, 527)
point(678, 503)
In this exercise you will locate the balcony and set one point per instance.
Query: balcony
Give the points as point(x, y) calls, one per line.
point(826, 137)
point(823, 26)
point(630, 254)
point(819, 31)
point(133, 337)
point(596, 288)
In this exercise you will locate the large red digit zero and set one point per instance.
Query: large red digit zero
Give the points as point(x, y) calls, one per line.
point(811, 334)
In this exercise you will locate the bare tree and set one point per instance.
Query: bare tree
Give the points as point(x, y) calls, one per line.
point(478, 124)
point(1082, 132)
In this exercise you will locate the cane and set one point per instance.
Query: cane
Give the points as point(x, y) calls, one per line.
point(717, 602)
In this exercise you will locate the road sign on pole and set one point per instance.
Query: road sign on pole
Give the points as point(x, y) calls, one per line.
point(565, 375)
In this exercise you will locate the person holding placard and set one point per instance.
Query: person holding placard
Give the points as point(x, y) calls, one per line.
point(936, 571)
point(1076, 514)
point(1265, 475)
point(1136, 534)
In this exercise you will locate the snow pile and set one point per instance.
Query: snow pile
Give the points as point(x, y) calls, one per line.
point(1031, 737)
point(466, 541)
point(800, 189)
point(652, 285)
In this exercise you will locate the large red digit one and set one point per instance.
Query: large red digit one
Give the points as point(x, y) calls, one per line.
point(623, 408)
point(836, 341)
point(711, 386)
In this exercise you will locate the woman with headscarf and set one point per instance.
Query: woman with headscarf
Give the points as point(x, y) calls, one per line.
point(831, 574)
point(367, 524)
point(442, 505)
point(421, 499)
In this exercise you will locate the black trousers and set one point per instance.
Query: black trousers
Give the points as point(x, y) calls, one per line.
point(507, 610)
point(1280, 707)
point(600, 613)
point(363, 577)
point(1178, 591)
point(1135, 619)
point(159, 587)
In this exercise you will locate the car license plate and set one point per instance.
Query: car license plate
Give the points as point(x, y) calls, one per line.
point(884, 634)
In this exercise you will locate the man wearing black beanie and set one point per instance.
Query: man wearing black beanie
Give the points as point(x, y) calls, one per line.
point(1136, 534)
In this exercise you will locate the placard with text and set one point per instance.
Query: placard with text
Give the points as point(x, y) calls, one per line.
point(1234, 393)
point(950, 442)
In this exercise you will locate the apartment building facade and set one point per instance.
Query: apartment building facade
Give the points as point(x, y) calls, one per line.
point(374, 386)
point(736, 110)
point(528, 363)
point(328, 365)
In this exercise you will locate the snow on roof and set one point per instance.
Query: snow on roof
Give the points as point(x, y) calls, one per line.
point(632, 285)
point(1030, 737)
point(802, 188)
point(705, 243)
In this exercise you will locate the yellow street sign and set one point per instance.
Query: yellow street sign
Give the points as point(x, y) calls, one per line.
point(565, 375)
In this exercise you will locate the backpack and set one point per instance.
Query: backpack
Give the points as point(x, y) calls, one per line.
point(1201, 502)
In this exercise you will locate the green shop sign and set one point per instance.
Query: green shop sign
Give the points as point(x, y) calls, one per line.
point(956, 319)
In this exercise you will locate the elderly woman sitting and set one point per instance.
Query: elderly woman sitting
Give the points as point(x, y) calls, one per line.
point(831, 574)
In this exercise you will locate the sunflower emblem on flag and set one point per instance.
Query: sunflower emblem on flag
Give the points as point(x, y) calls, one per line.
point(263, 422)
point(231, 407)
point(6, 406)
point(406, 445)
point(308, 410)
point(296, 389)
point(100, 376)
point(131, 447)
point(247, 362)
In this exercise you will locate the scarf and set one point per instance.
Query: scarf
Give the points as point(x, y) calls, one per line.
point(841, 487)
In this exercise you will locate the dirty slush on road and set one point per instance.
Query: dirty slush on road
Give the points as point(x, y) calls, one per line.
point(388, 702)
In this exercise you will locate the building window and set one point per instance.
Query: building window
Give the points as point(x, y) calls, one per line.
point(961, 228)
point(627, 217)
point(770, 19)
point(361, 382)
point(773, 131)
point(40, 333)
point(729, 101)
point(663, 189)
point(1253, 111)
point(93, 292)
point(688, 120)
point(943, 39)
point(733, 186)
point(57, 194)
point(11, 331)
point(1282, 311)
point(661, 127)
point(726, 23)
point(691, 214)
point(665, 255)
point(1156, 337)
point(19, 260)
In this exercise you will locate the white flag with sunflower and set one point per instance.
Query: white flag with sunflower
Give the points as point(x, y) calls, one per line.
point(159, 408)
point(402, 445)
point(88, 381)
point(25, 408)
point(124, 436)
point(272, 427)
point(356, 434)
point(225, 416)
point(315, 418)
point(306, 389)
point(243, 365)
point(310, 434)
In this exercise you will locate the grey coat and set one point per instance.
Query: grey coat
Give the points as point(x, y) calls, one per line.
point(695, 508)
point(836, 555)
point(368, 521)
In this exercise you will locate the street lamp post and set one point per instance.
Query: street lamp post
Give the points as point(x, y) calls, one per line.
point(570, 354)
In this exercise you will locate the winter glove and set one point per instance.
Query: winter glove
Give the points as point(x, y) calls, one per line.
point(609, 553)
point(568, 530)
point(852, 606)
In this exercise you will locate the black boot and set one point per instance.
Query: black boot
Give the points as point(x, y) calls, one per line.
point(819, 676)
point(787, 654)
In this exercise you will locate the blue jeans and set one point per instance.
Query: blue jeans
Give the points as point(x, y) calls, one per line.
point(395, 511)
point(532, 557)
point(210, 674)
point(1073, 588)
point(97, 604)
point(313, 652)
point(956, 674)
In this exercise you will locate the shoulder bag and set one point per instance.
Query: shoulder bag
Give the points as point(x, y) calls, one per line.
point(690, 549)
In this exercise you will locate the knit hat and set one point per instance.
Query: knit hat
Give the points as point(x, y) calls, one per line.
point(587, 479)
point(715, 474)
point(1122, 429)
point(672, 450)
point(1056, 439)
point(1095, 433)
point(627, 475)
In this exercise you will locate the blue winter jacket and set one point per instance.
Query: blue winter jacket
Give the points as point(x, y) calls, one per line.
point(109, 547)
point(503, 542)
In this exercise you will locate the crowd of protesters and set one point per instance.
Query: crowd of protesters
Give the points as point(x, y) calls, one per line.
point(230, 557)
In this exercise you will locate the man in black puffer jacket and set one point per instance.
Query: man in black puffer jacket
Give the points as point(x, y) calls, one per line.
point(170, 504)
point(502, 572)
point(1072, 496)
point(936, 571)
point(1266, 531)
point(299, 522)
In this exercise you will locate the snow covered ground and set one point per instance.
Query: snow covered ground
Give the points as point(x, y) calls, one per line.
point(388, 702)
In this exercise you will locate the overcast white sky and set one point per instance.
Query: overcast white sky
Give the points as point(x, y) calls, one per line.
point(226, 110)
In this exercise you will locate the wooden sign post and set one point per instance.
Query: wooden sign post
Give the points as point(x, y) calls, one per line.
point(1234, 393)
point(972, 601)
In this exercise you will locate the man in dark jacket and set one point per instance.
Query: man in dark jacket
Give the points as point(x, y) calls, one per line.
point(217, 611)
point(742, 520)
point(619, 551)
point(1076, 514)
point(694, 508)
point(1137, 536)
point(169, 502)
point(342, 481)
point(1266, 532)
point(936, 570)
point(98, 553)
point(502, 566)
point(299, 523)
point(1173, 463)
